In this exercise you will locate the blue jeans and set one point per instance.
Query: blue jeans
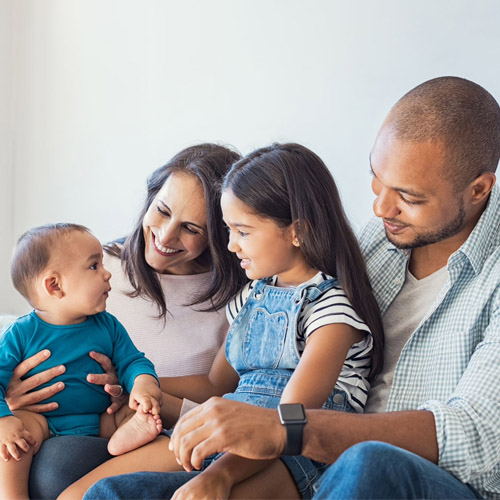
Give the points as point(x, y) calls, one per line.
point(63, 460)
point(139, 485)
point(378, 470)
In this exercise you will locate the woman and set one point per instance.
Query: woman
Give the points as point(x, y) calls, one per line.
point(171, 278)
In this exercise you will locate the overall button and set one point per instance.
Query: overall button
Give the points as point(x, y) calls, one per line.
point(338, 399)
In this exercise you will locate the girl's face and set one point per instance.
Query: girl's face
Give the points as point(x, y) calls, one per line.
point(265, 249)
point(175, 226)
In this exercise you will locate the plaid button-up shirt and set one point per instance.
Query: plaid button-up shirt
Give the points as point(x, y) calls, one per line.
point(451, 363)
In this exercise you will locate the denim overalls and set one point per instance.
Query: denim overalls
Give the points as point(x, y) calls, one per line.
point(261, 346)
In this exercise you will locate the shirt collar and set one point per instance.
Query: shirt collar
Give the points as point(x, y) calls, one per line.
point(484, 235)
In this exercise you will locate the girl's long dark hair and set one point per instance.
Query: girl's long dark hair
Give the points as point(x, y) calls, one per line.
point(208, 163)
point(288, 183)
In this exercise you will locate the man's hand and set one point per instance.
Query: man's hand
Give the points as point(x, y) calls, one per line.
point(109, 380)
point(17, 396)
point(222, 425)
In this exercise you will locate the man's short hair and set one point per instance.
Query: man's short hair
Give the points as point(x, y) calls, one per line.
point(459, 112)
point(33, 252)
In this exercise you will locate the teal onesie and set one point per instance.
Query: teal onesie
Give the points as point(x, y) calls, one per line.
point(80, 402)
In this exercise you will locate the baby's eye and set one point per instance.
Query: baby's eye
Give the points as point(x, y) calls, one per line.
point(94, 266)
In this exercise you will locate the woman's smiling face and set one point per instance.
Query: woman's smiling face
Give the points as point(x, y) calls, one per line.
point(175, 226)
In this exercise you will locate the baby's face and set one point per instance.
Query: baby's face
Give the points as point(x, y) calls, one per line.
point(84, 280)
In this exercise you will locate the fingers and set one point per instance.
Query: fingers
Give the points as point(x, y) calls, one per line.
point(102, 379)
point(34, 381)
point(30, 401)
point(4, 453)
point(28, 364)
point(103, 360)
point(13, 451)
point(41, 408)
point(112, 408)
point(113, 390)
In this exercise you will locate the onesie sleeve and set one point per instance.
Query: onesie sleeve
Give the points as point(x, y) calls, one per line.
point(128, 361)
point(10, 356)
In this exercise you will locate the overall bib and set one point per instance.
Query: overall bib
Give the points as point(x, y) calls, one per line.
point(261, 343)
point(261, 346)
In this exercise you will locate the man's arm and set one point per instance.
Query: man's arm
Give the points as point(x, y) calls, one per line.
point(221, 425)
point(328, 434)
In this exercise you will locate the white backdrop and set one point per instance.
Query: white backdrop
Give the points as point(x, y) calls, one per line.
point(95, 94)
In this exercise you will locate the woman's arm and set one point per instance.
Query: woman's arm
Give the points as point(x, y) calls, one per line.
point(220, 380)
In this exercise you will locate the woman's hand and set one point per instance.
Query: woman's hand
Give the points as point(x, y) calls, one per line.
point(109, 380)
point(18, 395)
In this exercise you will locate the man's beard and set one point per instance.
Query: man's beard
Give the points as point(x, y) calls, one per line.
point(447, 231)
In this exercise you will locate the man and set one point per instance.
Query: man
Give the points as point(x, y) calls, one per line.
point(433, 256)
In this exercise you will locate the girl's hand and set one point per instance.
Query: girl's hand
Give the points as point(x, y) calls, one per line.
point(18, 395)
point(14, 438)
point(206, 485)
point(109, 380)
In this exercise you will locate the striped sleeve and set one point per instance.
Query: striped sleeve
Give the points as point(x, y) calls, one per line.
point(234, 307)
point(330, 308)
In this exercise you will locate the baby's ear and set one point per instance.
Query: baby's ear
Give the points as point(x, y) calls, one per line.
point(52, 285)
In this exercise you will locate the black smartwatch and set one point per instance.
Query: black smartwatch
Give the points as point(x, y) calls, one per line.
point(293, 417)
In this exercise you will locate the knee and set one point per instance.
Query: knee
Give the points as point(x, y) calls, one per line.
point(368, 455)
point(360, 466)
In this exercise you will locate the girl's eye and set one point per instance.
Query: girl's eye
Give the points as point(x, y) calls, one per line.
point(242, 234)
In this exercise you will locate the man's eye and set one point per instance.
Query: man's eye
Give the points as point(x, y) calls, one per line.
point(409, 202)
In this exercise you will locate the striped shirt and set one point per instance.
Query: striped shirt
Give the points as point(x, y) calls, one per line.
point(451, 363)
point(329, 308)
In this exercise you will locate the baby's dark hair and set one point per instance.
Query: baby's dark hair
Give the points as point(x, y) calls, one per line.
point(33, 251)
point(290, 184)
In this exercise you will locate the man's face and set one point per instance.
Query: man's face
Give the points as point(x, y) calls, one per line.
point(417, 204)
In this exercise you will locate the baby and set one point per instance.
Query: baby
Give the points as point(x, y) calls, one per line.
point(58, 269)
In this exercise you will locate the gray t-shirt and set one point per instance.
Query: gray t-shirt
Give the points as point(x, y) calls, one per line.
point(401, 319)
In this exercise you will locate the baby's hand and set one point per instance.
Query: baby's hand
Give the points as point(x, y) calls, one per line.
point(14, 438)
point(206, 485)
point(146, 394)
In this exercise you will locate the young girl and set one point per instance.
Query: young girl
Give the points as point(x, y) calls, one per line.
point(306, 329)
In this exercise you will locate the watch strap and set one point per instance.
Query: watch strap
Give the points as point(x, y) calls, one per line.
point(293, 439)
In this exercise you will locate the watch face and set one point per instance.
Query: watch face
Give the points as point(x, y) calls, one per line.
point(291, 413)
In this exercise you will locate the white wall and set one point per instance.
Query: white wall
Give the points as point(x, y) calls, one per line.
point(6, 151)
point(109, 90)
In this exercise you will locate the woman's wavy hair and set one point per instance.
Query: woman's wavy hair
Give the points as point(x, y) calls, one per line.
point(208, 163)
point(290, 184)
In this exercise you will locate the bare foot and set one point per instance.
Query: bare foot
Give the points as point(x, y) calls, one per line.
point(139, 430)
